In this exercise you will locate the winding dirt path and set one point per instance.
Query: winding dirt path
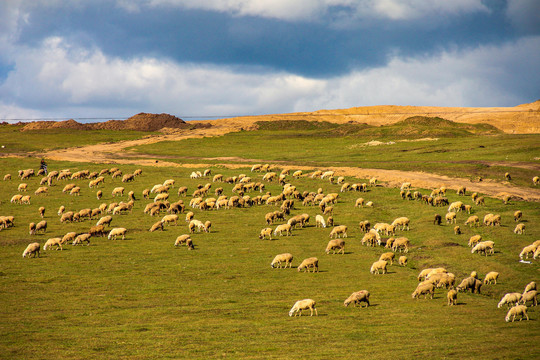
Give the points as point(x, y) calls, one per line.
point(115, 153)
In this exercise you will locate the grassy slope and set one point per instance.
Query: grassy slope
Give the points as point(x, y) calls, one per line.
point(143, 299)
point(16, 141)
point(448, 156)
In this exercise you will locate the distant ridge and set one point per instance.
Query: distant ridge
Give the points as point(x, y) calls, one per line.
point(521, 119)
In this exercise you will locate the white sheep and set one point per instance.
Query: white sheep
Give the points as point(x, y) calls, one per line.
point(379, 265)
point(509, 299)
point(173, 218)
point(282, 258)
point(530, 296)
point(105, 220)
point(424, 289)
point(491, 276)
point(53, 242)
point(336, 244)
point(389, 257)
point(470, 283)
point(451, 218)
point(117, 232)
point(520, 310)
point(528, 250)
point(401, 243)
point(266, 232)
point(402, 260)
point(475, 239)
point(118, 191)
point(473, 221)
point(184, 239)
point(530, 286)
point(25, 199)
point(75, 191)
point(518, 215)
point(452, 297)
point(283, 228)
point(82, 238)
point(41, 226)
point(303, 305)
point(536, 180)
point(195, 224)
point(31, 249)
point(484, 246)
point(22, 187)
point(519, 229)
point(70, 236)
point(157, 226)
point(319, 221)
point(401, 222)
point(311, 262)
point(357, 298)
point(339, 231)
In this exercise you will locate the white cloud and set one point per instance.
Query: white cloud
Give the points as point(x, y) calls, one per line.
point(317, 9)
point(61, 80)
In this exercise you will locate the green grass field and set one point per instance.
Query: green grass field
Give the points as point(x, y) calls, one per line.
point(142, 298)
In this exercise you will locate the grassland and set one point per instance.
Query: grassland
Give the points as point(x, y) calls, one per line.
point(474, 156)
point(16, 141)
point(142, 298)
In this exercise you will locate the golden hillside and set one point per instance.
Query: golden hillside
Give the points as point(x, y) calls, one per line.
point(521, 119)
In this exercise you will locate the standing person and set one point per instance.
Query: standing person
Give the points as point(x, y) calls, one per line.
point(43, 165)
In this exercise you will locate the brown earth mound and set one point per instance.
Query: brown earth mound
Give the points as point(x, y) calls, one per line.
point(139, 122)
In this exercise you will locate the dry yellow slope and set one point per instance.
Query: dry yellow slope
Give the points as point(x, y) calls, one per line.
point(521, 119)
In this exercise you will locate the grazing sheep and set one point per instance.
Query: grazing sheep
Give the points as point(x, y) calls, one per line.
point(189, 216)
point(528, 250)
point(518, 215)
point(70, 236)
point(437, 220)
point(7, 177)
point(485, 247)
point(529, 296)
point(452, 297)
point(389, 257)
point(41, 226)
point(118, 191)
point(22, 187)
point(422, 275)
point(82, 238)
point(357, 298)
point(424, 289)
point(283, 228)
point(319, 221)
point(369, 204)
point(509, 299)
point(31, 249)
point(25, 200)
point(364, 225)
point(117, 232)
point(377, 266)
point(311, 262)
point(282, 258)
point(475, 239)
point(266, 232)
point(207, 226)
point(173, 218)
point(519, 229)
point(403, 260)
point(32, 228)
point(456, 206)
point(530, 286)
point(461, 190)
point(195, 224)
point(492, 220)
point(53, 242)
point(470, 283)
point(75, 191)
point(402, 223)
point(157, 226)
point(451, 218)
point(473, 221)
point(536, 180)
point(359, 202)
point(184, 239)
point(339, 231)
point(303, 305)
point(105, 221)
point(457, 230)
point(336, 244)
point(401, 243)
point(61, 210)
point(520, 310)
point(491, 276)
point(446, 280)
point(439, 270)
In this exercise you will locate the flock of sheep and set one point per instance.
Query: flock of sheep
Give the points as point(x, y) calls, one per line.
point(379, 235)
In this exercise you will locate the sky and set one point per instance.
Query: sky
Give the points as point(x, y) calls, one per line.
point(111, 59)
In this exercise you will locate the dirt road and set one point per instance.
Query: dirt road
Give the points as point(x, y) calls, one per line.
point(116, 153)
